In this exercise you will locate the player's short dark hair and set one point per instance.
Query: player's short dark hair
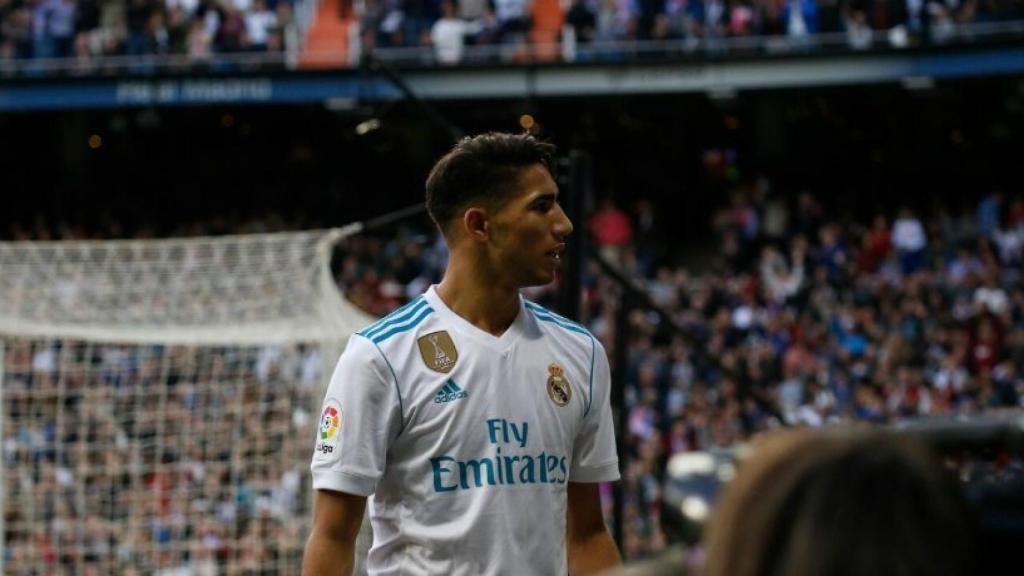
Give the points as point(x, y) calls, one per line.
point(482, 169)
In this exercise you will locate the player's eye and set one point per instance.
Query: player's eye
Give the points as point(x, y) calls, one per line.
point(543, 205)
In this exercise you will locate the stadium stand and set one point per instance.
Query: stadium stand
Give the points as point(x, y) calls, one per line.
point(86, 30)
point(181, 459)
point(333, 33)
point(159, 399)
point(669, 26)
point(803, 321)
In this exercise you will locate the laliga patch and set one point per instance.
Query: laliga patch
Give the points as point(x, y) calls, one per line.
point(438, 351)
point(327, 433)
point(559, 389)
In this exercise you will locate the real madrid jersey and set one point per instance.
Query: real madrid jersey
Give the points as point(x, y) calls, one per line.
point(466, 440)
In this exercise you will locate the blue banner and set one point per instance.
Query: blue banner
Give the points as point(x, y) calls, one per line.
point(349, 87)
point(80, 94)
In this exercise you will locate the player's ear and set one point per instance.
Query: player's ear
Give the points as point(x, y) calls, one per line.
point(476, 223)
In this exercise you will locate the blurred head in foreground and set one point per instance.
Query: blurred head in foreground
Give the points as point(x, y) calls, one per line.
point(837, 503)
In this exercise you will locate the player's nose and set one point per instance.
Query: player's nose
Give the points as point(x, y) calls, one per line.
point(563, 226)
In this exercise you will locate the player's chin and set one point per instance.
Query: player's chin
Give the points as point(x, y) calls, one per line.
point(539, 277)
point(547, 275)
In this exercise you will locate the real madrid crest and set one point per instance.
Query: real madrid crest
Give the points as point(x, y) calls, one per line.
point(438, 351)
point(558, 387)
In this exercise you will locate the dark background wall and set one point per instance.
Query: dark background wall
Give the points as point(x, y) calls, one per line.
point(858, 149)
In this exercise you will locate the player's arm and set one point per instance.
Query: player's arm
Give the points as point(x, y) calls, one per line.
point(589, 546)
point(360, 418)
point(330, 549)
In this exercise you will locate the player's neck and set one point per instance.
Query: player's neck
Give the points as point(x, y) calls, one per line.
point(480, 300)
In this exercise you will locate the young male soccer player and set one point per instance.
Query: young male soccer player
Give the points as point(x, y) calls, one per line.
point(478, 420)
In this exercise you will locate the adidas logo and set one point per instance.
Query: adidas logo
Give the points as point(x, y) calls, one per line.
point(450, 392)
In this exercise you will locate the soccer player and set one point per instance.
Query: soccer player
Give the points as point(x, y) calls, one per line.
point(478, 421)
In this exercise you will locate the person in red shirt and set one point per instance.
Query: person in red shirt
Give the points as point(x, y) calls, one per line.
point(986, 345)
point(612, 230)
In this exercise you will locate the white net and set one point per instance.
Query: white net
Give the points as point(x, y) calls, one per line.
point(159, 401)
point(236, 289)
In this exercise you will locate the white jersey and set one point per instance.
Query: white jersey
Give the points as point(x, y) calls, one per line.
point(466, 440)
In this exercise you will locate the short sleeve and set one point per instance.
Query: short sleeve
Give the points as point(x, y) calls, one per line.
point(594, 457)
point(360, 417)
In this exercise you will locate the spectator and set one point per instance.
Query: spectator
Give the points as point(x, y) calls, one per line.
point(612, 231)
point(583, 21)
point(988, 213)
point(840, 503)
point(846, 342)
point(513, 20)
point(449, 33)
point(908, 237)
point(260, 22)
point(801, 18)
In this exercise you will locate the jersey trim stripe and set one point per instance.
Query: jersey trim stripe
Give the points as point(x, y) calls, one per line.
point(402, 327)
point(590, 393)
point(399, 315)
point(398, 389)
point(546, 315)
point(393, 315)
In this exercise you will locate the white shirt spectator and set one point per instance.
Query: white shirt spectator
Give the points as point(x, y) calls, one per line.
point(211, 23)
point(258, 26)
point(45, 360)
point(507, 10)
point(779, 282)
point(61, 18)
point(994, 299)
point(790, 396)
point(796, 27)
point(858, 34)
point(1010, 243)
point(908, 234)
point(808, 416)
point(951, 378)
point(449, 38)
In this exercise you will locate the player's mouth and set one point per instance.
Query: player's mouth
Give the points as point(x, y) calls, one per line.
point(555, 255)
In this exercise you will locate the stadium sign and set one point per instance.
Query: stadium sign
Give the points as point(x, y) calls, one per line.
point(195, 91)
point(637, 77)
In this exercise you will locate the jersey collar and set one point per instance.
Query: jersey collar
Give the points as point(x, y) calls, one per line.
point(466, 328)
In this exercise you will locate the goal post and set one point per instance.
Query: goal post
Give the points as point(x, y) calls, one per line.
point(159, 398)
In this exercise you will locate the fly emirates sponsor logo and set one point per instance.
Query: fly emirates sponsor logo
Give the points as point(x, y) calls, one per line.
point(506, 465)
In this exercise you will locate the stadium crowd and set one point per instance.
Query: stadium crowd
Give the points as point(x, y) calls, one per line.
point(810, 322)
point(87, 29)
point(450, 25)
point(199, 29)
point(156, 460)
point(802, 321)
point(805, 321)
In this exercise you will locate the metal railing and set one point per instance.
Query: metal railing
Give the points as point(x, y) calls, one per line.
point(964, 35)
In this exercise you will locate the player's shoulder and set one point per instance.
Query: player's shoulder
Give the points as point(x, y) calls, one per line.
point(398, 325)
point(559, 326)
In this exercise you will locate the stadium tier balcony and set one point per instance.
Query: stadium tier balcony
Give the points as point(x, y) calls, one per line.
point(88, 37)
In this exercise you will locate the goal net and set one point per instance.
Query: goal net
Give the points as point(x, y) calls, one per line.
point(158, 401)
